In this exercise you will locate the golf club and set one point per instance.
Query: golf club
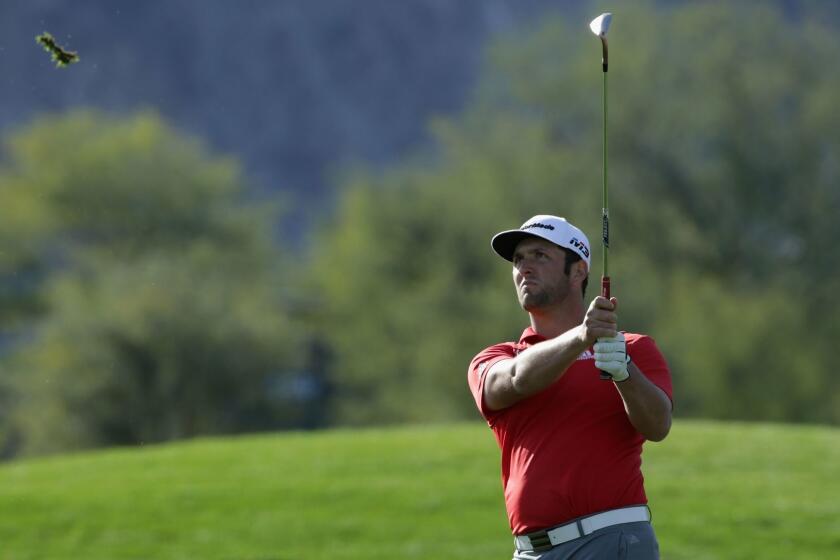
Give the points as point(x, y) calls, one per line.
point(599, 26)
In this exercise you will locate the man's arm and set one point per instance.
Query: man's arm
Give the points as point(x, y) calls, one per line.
point(647, 406)
point(534, 369)
point(537, 367)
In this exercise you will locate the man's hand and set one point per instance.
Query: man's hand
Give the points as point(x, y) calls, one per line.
point(611, 357)
point(600, 321)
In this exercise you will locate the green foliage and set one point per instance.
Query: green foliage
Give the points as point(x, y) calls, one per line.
point(142, 296)
point(704, 117)
point(750, 359)
point(126, 186)
point(758, 491)
point(157, 349)
point(724, 204)
point(409, 293)
point(150, 309)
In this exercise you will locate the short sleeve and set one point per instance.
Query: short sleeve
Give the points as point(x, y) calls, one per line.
point(477, 371)
point(647, 357)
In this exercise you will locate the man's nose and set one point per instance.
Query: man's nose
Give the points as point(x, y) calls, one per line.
point(525, 267)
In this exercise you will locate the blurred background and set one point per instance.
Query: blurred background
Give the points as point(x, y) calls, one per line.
point(245, 216)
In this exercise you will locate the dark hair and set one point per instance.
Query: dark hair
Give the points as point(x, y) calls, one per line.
point(572, 258)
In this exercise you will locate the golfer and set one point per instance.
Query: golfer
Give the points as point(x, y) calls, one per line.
point(571, 441)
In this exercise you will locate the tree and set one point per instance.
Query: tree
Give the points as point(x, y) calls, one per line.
point(154, 283)
point(408, 287)
point(723, 188)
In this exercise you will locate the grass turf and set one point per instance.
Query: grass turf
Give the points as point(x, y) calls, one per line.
point(717, 490)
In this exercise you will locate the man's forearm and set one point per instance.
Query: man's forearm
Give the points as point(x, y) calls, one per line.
point(647, 406)
point(511, 380)
point(542, 364)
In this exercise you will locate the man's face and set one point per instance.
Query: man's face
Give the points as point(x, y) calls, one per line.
point(538, 274)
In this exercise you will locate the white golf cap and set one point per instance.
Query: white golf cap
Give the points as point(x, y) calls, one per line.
point(551, 228)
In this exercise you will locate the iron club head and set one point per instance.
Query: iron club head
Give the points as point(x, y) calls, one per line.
point(601, 24)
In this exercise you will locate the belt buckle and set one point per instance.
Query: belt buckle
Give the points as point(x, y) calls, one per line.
point(540, 542)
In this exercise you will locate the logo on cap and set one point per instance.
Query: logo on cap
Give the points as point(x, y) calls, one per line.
point(580, 245)
point(538, 225)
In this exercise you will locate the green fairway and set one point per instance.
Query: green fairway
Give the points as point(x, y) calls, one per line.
point(717, 491)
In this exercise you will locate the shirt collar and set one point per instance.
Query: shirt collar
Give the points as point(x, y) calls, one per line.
point(530, 337)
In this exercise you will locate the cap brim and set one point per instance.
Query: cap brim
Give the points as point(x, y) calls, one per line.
point(505, 243)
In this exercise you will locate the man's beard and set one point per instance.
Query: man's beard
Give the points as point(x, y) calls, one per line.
point(545, 297)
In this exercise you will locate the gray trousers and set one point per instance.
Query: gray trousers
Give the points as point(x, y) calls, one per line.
point(628, 541)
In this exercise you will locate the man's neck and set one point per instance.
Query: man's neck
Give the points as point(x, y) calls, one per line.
point(554, 322)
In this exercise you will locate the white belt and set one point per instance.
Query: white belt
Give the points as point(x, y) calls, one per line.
point(544, 540)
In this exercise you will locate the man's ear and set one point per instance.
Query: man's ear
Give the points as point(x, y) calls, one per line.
point(579, 271)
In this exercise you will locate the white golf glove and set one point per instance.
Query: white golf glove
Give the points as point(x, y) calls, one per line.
point(611, 357)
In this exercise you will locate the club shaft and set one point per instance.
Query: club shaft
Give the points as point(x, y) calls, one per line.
point(605, 279)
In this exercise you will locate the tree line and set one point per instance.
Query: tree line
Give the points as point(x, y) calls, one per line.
point(146, 295)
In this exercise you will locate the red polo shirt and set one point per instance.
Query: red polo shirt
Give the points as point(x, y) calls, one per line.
point(569, 450)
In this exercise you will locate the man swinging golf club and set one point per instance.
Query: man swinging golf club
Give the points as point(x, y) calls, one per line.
point(571, 443)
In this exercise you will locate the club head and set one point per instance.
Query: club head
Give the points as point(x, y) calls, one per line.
point(601, 24)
